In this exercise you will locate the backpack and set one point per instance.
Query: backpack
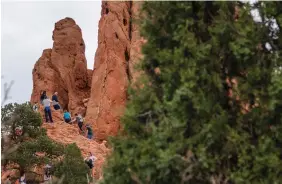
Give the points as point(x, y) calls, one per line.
point(90, 163)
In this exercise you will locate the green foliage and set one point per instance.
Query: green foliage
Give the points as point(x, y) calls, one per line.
point(21, 149)
point(20, 115)
point(181, 126)
point(72, 168)
point(25, 155)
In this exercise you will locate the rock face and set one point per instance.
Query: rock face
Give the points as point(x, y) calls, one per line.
point(118, 50)
point(64, 68)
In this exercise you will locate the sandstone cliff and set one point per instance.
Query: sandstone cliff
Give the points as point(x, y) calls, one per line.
point(64, 68)
point(118, 50)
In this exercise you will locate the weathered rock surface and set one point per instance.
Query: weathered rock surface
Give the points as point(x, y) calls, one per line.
point(64, 68)
point(118, 50)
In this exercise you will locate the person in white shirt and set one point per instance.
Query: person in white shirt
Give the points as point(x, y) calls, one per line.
point(47, 172)
point(47, 103)
point(22, 179)
point(35, 107)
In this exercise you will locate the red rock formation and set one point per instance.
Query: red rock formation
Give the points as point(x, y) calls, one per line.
point(64, 68)
point(118, 50)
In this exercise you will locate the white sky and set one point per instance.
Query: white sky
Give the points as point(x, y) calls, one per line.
point(27, 30)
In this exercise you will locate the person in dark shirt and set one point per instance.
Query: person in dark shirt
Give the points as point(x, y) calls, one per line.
point(56, 101)
point(42, 97)
point(79, 121)
point(89, 132)
point(90, 162)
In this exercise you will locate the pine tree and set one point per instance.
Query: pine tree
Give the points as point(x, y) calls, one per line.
point(21, 150)
point(210, 94)
point(23, 138)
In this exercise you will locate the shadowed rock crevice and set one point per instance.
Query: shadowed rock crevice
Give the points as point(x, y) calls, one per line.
point(130, 21)
point(127, 58)
point(124, 22)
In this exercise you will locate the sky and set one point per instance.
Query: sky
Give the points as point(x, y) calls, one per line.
point(26, 30)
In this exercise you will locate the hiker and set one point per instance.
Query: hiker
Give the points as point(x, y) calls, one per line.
point(89, 132)
point(90, 162)
point(22, 179)
point(55, 101)
point(79, 120)
point(35, 107)
point(7, 181)
point(67, 116)
point(47, 173)
point(46, 103)
point(42, 97)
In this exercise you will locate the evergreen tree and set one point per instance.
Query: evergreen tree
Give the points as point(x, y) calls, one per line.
point(23, 138)
point(72, 169)
point(22, 117)
point(208, 97)
point(21, 150)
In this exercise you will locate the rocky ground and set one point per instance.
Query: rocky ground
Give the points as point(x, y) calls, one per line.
point(65, 133)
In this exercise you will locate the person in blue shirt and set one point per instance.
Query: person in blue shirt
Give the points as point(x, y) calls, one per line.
point(67, 116)
point(89, 132)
